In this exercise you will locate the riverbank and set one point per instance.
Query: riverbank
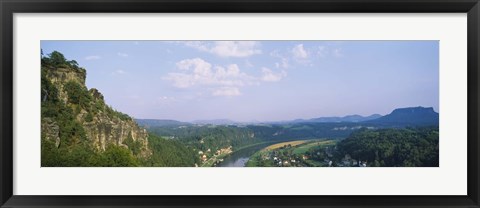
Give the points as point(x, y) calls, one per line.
point(239, 157)
point(216, 159)
point(210, 162)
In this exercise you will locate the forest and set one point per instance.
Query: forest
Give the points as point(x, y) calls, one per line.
point(409, 147)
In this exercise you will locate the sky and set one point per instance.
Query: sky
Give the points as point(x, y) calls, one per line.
point(251, 81)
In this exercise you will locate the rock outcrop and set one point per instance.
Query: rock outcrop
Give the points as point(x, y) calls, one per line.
point(102, 124)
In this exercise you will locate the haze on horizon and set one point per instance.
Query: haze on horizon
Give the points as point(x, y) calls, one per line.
point(248, 81)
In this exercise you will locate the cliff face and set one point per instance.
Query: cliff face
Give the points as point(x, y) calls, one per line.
point(104, 130)
point(102, 125)
point(60, 76)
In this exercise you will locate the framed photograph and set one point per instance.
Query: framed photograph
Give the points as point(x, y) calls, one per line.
point(239, 104)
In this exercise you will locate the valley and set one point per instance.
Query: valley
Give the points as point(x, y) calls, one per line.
point(287, 146)
point(79, 129)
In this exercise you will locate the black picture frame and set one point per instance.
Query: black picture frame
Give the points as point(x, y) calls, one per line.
point(9, 7)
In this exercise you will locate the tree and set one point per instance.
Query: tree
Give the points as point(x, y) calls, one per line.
point(77, 94)
point(73, 64)
point(57, 59)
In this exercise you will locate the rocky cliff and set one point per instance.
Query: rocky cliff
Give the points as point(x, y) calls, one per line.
point(65, 97)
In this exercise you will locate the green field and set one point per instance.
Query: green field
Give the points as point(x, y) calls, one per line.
point(279, 145)
point(301, 149)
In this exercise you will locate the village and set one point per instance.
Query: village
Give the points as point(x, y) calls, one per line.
point(210, 158)
point(303, 155)
point(299, 153)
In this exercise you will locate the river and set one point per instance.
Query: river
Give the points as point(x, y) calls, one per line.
point(240, 158)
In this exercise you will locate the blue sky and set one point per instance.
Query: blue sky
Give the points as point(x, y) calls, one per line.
point(257, 80)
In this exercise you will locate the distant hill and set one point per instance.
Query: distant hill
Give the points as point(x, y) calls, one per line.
point(169, 123)
point(349, 118)
point(215, 122)
point(409, 116)
point(159, 122)
point(398, 117)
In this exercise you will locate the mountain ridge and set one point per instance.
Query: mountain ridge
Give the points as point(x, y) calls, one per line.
point(402, 116)
point(347, 118)
point(409, 116)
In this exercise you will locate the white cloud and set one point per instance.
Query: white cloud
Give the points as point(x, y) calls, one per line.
point(199, 66)
point(299, 52)
point(270, 76)
point(218, 80)
point(236, 48)
point(88, 58)
point(180, 80)
point(199, 45)
point(197, 72)
point(226, 48)
point(122, 54)
point(227, 91)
